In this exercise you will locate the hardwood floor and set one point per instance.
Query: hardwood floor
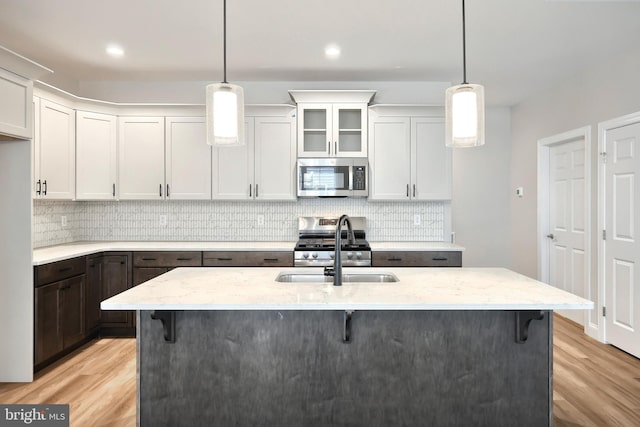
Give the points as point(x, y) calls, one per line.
point(594, 384)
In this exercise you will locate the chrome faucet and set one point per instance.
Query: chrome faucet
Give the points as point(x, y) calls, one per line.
point(336, 271)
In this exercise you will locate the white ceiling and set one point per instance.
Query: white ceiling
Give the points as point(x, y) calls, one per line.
point(514, 47)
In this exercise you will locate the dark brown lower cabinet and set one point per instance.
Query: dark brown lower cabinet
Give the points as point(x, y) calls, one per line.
point(93, 293)
point(416, 259)
point(59, 317)
point(116, 278)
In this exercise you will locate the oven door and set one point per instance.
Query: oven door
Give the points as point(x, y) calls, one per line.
point(324, 177)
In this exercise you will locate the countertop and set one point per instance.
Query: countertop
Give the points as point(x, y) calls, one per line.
point(70, 250)
point(213, 288)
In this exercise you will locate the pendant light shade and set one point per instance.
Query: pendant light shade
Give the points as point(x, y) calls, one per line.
point(225, 114)
point(225, 105)
point(464, 107)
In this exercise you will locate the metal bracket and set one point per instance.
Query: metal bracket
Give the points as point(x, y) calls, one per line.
point(168, 319)
point(346, 334)
point(523, 319)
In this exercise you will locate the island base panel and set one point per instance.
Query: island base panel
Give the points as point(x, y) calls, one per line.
point(292, 368)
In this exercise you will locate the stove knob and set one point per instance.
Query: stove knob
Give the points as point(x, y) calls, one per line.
point(314, 255)
point(349, 255)
point(359, 255)
point(305, 255)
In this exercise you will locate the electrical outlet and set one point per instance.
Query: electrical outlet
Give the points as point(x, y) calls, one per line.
point(163, 220)
point(260, 219)
point(416, 219)
point(63, 220)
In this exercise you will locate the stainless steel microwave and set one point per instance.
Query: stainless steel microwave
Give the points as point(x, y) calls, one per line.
point(333, 177)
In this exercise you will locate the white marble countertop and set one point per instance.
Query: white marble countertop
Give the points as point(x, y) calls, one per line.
point(415, 246)
point(70, 250)
point(214, 288)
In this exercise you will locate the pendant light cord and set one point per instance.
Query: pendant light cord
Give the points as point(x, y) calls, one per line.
point(464, 49)
point(224, 38)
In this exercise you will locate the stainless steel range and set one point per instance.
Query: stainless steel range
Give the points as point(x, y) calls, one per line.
point(316, 243)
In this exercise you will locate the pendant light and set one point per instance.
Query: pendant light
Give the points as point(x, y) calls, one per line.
point(464, 107)
point(225, 105)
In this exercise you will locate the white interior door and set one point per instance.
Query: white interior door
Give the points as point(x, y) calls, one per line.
point(567, 260)
point(621, 248)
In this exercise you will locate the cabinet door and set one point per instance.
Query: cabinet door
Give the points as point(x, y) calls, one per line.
point(15, 109)
point(315, 132)
point(142, 274)
point(72, 293)
point(96, 148)
point(93, 292)
point(56, 151)
point(188, 157)
point(390, 158)
point(349, 130)
point(275, 158)
point(232, 174)
point(48, 331)
point(115, 279)
point(141, 158)
point(431, 167)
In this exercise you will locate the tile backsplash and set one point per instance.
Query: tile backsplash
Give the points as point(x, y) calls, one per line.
point(228, 220)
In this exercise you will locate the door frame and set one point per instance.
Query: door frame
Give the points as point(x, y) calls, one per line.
point(603, 128)
point(591, 326)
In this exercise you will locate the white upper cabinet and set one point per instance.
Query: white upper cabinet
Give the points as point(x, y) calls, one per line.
point(16, 118)
point(188, 159)
point(275, 158)
point(263, 168)
point(54, 151)
point(332, 123)
point(408, 158)
point(96, 151)
point(232, 174)
point(141, 158)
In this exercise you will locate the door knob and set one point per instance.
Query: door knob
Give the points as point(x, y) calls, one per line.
point(551, 236)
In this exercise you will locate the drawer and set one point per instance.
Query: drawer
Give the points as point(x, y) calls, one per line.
point(247, 259)
point(55, 271)
point(167, 259)
point(416, 259)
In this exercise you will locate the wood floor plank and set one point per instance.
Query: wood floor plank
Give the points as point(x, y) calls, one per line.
point(594, 384)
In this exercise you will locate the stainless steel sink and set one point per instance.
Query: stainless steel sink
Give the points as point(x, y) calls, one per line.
point(319, 277)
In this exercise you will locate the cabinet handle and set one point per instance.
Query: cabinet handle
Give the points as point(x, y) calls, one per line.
point(271, 259)
point(394, 259)
point(160, 190)
point(329, 149)
point(184, 259)
point(414, 190)
point(149, 259)
point(114, 189)
point(335, 148)
point(38, 187)
point(249, 190)
point(224, 259)
point(256, 191)
point(407, 190)
point(62, 270)
point(439, 259)
point(168, 195)
point(44, 184)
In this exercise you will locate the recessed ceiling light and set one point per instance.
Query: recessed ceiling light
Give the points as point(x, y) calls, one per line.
point(332, 51)
point(114, 50)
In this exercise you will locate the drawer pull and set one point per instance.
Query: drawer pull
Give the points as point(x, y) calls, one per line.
point(184, 259)
point(439, 259)
point(149, 259)
point(62, 270)
point(224, 259)
point(271, 259)
point(394, 259)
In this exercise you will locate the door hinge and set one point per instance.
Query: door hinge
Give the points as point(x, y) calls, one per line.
point(604, 156)
point(604, 311)
point(604, 234)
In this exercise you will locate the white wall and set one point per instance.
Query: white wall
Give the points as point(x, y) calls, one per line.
point(481, 195)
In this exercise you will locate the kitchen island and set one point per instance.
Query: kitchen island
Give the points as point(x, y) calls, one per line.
point(231, 346)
